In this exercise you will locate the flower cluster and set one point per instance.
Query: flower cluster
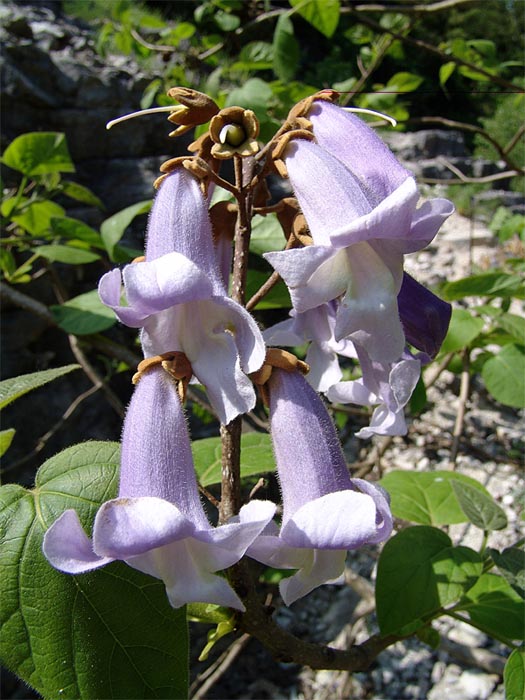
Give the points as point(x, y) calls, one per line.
point(359, 216)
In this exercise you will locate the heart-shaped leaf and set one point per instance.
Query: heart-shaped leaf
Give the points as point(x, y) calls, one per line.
point(106, 634)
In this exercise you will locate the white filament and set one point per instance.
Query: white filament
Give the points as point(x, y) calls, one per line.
point(151, 110)
point(363, 110)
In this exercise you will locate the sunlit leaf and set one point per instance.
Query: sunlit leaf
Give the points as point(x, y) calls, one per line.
point(84, 314)
point(6, 438)
point(56, 252)
point(480, 509)
point(321, 14)
point(286, 50)
point(514, 676)
point(38, 153)
point(256, 457)
point(113, 229)
point(418, 573)
point(428, 498)
point(12, 389)
point(504, 375)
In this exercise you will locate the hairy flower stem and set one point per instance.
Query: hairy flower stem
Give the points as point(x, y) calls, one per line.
point(231, 433)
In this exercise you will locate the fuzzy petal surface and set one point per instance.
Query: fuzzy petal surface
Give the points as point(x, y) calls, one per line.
point(128, 526)
point(358, 147)
point(67, 547)
point(339, 520)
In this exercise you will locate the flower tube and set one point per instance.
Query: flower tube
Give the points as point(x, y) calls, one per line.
point(157, 523)
point(325, 512)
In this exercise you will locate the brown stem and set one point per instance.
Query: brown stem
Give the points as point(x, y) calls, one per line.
point(284, 647)
point(231, 433)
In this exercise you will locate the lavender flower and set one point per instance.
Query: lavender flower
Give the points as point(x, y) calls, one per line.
point(179, 299)
point(361, 208)
point(325, 512)
point(157, 524)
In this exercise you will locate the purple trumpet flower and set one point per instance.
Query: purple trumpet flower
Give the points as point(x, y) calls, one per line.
point(361, 208)
point(325, 512)
point(179, 298)
point(157, 524)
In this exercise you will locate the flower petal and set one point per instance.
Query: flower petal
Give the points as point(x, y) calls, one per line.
point(230, 541)
point(328, 193)
point(424, 316)
point(179, 221)
point(339, 520)
point(182, 566)
point(368, 313)
point(352, 141)
point(67, 547)
point(167, 281)
point(318, 567)
point(126, 527)
point(384, 520)
point(110, 292)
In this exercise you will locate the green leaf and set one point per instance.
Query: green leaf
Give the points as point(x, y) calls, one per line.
point(14, 388)
point(514, 676)
point(256, 457)
point(106, 634)
point(74, 229)
point(66, 254)
point(427, 498)
point(36, 217)
point(488, 284)
point(81, 194)
point(456, 569)
point(286, 50)
point(321, 14)
point(254, 95)
point(267, 234)
point(38, 153)
point(84, 314)
point(511, 565)
point(113, 229)
point(445, 71)
point(404, 82)
point(495, 607)
point(514, 325)
point(226, 21)
point(504, 375)
point(6, 438)
point(479, 508)
point(277, 298)
point(464, 328)
point(418, 573)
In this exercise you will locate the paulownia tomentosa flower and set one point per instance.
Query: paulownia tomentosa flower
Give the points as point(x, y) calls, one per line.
point(325, 512)
point(179, 299)
point(157, 524)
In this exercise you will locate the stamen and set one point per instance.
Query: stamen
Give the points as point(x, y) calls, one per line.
point(372, 112)
point(151, 110)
